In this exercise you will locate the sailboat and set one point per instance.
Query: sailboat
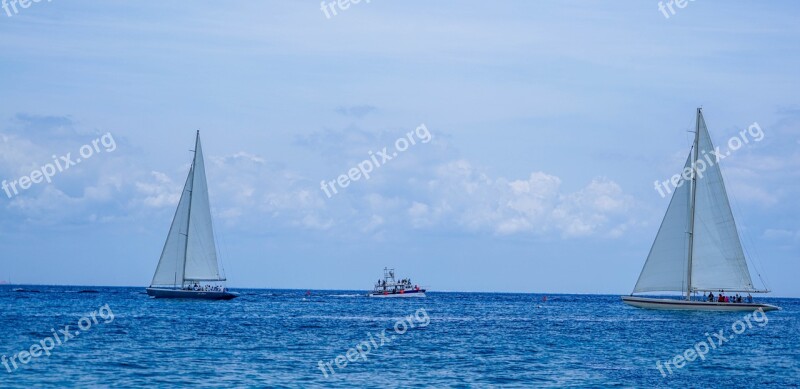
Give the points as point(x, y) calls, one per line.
point(188, 267)
point(697, 248)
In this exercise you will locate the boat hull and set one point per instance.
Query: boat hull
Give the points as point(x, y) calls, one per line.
point(190, 294)
point(683, 305)
point(408, 294)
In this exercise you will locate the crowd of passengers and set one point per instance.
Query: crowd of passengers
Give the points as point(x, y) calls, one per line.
point(725, 299)
point(405, 281)
point(205, 288)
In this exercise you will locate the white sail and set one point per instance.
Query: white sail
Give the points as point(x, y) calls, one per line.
point(665, 268)
point(718, 261)
point(201, 252)
point(170, 267)
point(716, 255)
point(189, 253)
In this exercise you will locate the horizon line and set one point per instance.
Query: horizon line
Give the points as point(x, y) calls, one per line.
point(356, 290)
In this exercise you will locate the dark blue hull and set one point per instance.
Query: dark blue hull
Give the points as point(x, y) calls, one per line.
point(190, 294)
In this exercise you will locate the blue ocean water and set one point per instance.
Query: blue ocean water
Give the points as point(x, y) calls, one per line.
point(277, 338)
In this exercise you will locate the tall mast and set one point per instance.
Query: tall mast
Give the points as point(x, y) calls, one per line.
point(695, 156)
point(189, 213)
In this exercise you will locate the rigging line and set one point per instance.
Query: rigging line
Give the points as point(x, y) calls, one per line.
point(690, 130)
point(756, 257)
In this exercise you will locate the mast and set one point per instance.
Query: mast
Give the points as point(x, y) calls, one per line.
point(695, 156)
point(189, 213)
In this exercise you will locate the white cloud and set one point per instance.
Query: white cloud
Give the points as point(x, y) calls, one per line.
point(160, 192)
point(781, 234)
point(313, 222)
point(538, 205)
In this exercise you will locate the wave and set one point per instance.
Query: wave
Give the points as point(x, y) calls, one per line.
point(21, 290)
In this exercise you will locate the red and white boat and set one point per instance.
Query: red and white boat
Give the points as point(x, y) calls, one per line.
point(391, 288)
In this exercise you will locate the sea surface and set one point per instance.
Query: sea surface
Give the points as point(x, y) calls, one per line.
point(285, 338)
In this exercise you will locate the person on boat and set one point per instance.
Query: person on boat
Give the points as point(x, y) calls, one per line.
point(711, 297)
point(749, 299)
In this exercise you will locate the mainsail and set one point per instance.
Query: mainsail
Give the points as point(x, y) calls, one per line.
point(189, 252)
point(702, 236)
point(719, 261)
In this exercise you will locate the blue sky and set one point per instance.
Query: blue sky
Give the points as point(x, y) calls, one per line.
point(550, 123)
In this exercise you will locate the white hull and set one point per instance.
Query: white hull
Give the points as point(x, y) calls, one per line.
point(397, 295)
point(683, 305)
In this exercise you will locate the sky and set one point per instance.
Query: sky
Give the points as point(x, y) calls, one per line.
point(539, 131)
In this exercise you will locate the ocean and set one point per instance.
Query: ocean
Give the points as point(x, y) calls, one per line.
point(119, 337)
